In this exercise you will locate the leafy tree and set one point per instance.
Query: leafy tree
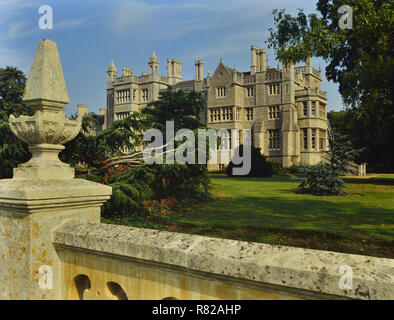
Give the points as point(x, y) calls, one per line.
point(91, 150)
point(325, 179)
point(184, 108)
point(12, 150)
point(132, 181)
point(338, 121)
point(360, 59)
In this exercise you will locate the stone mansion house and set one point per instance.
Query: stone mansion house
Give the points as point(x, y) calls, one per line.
point(285, 108)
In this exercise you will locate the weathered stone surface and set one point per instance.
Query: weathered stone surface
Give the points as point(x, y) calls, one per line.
point(46, 79)
point(48, 128)
point(43, 194)
point(29, 213)
point(305, 269)
point(48, 194)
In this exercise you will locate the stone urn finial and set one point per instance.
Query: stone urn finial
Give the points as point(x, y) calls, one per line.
point(48, 129)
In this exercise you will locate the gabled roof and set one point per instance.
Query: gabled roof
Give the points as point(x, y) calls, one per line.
point(222, 68)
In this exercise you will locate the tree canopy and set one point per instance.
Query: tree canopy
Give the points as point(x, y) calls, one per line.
point(184, 108)
point(12, 150)
point(360, 60)
point(90, 150)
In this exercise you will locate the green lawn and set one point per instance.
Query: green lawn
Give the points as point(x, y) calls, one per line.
point(267, 210)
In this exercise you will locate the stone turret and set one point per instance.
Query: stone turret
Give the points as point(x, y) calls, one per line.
point(153, 64)
point(112, 72)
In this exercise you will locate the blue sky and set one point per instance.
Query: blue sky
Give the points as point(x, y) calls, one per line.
point(90, 33)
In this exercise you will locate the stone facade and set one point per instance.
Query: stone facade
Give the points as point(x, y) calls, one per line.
point(285, 108)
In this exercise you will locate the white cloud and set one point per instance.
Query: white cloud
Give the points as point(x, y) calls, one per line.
point(19, 29)
point(10, 9)
point(9, 5)
point(151, 21)
point(174, 19)
point(16, 28)
point(15, 58)
point(235, 42)
point(71, 24)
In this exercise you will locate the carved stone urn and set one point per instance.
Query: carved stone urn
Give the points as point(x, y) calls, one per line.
point(48, 129)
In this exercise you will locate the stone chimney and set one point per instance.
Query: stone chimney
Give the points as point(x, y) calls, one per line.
point(262, 64)
point(253, 66)
point(199, 70)
point(174, 70)
point(82, 110)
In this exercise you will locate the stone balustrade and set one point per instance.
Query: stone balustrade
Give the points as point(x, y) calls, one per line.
point(151, 264)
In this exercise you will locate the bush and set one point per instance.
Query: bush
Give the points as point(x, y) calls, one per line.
point(324, 179)
point(294, 169)
point(180, 181)
point(279, 170)
point(156, 182)
point(319, 180)
point(260, 167)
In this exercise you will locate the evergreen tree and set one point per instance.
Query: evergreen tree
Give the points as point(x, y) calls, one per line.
point(12, 150)
point(325, 179)
point(184, 108)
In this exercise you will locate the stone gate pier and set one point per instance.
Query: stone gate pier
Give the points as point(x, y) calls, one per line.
point(43, 194)
point(53, 246)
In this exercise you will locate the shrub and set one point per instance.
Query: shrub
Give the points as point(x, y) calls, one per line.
point(294, 169)
point(324, 179)
point(319, 180)
point(180, 181)
point(279, 170)
point(260, 167)
point(156, 182)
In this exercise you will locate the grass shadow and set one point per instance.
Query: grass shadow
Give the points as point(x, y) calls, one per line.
point(373, 181)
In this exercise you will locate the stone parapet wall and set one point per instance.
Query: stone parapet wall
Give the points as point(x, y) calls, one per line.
point(271, 272)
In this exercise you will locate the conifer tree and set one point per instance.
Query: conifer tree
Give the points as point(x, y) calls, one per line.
point(12, 150)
